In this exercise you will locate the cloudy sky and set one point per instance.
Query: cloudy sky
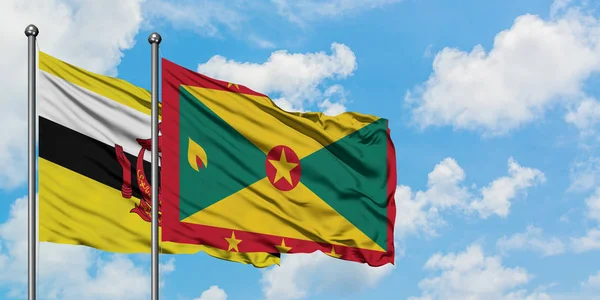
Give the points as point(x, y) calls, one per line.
point(492, 105)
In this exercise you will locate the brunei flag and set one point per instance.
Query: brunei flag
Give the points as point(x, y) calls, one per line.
point(242, 175)
point(94, 165)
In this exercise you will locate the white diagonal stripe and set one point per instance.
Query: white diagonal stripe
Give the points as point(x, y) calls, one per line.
point(91, 114)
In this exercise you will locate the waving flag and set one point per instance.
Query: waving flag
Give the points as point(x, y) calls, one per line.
point(94, 139)
point(242, 175)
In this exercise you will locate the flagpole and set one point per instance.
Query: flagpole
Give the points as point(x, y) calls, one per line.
point(31, 32)
point(154, 39)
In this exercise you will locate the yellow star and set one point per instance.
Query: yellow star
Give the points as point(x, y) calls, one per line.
point(332, 253)
point(283, 248)
point(229, 84)
point(283, 168)
point(233, 242)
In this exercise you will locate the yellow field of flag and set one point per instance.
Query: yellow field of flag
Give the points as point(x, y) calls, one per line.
point(94, 152)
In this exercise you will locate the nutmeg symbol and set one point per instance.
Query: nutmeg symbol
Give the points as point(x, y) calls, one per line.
point(196, 155)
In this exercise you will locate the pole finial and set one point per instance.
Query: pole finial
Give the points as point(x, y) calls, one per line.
point(154, 38)
point(31, 30)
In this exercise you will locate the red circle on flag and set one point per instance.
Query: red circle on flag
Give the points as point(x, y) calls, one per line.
point(283, 168)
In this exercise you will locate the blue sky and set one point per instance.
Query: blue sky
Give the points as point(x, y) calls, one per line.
point(493, 110)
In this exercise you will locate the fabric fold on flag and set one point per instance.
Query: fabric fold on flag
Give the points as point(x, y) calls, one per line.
point(94, 165)
point(242, 175)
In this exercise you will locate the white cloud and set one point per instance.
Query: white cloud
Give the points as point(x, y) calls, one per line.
point(573, 296)
point(203, 17)
point(214, 18)
point(585, 174)
point(303, 274)
point(585, 116)
point(446, 191)
point(301, 11)
point(593, 206)
point(589, 242)
point(261, 42)
point(296, 77)
point(66, 271)
point(287, 105)
point(333, 105)
point(76, 31)
point(167, 267)
point(532, 66)
point(589, 290)
point(420, 212)
point(496, 197)
point(593, 282)
point(209, 17)
point(532, 239)
point(428, 51)
point(559, 6)
point(524, 295)
point(414, 214)
point(117, 278)
point(213, 293)
point(472, 275)
point(331, 109)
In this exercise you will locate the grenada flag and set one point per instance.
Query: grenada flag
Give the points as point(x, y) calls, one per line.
point(242, 175)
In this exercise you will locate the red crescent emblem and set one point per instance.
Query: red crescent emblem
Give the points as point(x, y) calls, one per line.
point(144, 208)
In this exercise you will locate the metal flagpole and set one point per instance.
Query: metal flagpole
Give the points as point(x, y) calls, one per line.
point(154, 39)
point(31, 32)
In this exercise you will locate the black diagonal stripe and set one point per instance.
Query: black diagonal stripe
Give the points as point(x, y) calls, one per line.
point(85, 155)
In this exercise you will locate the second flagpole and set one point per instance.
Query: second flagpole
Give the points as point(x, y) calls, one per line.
point(154, 39)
